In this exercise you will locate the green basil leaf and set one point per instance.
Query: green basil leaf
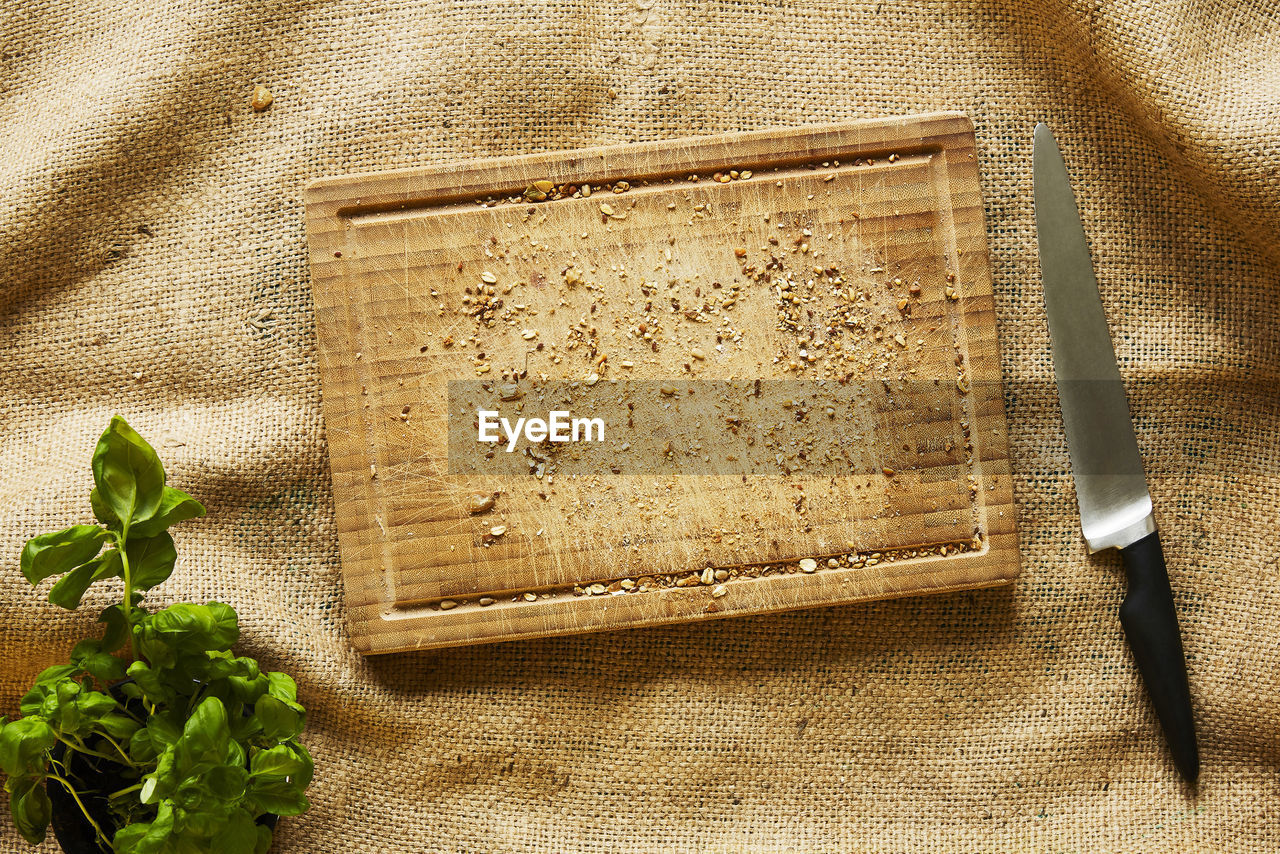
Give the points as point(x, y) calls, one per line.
point(155, 650)
point(164, 729)
point(156, 690)
point(234, 755)
point(117, 631)
point(94, 705)
point(198, 666)
point(103, 666)
point(127, 473)
point(203, 819)
point(101, 511)
point(175, 506)
point(147, 837)
point(264, 839)
point(150, 785)
point(142, 746)
point(157, 785)
point(196, 628)
point(279, 722)
point(245, 667)
point(244, 727)
point(278, 796)
point(61, 551)
point(150, 560)
point(228, 625)
point(281, 762)
point(70, 588)
point(31, 808)
point(239, 834)
point(119, 726)
point(226, 782)
point(248, 690)
point(205, 735)
point(282, 686)
point(23, 744)
point(55, 674)
point(109, 566)
point(303, 777)
point(60, 707)
point(33, 701)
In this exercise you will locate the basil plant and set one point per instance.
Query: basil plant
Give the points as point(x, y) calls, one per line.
point(164, 739)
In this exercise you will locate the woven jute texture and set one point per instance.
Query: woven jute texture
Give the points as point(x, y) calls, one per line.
point(153, 264)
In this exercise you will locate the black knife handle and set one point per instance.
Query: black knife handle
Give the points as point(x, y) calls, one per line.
point(1151, 624)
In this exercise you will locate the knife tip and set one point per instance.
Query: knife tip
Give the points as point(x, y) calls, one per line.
point(1042, 131)
point(1187, 761)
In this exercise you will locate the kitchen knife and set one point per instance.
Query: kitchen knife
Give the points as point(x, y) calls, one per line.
point(1111, 487)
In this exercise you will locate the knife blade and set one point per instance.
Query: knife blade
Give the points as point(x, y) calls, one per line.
point(1106, 464)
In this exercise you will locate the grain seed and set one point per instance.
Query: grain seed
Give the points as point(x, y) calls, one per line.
point(808, 565)
point(498, 530)
point(447, 604)
point(486, 601)
point(261, 99)
point(719, 591)
point(480, 503)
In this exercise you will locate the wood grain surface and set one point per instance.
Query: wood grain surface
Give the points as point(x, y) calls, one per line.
point(788, 334)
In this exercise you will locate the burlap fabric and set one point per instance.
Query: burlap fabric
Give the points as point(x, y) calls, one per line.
point(154, 265)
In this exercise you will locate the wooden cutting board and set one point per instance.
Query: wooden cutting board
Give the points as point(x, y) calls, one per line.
point(787, 336)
